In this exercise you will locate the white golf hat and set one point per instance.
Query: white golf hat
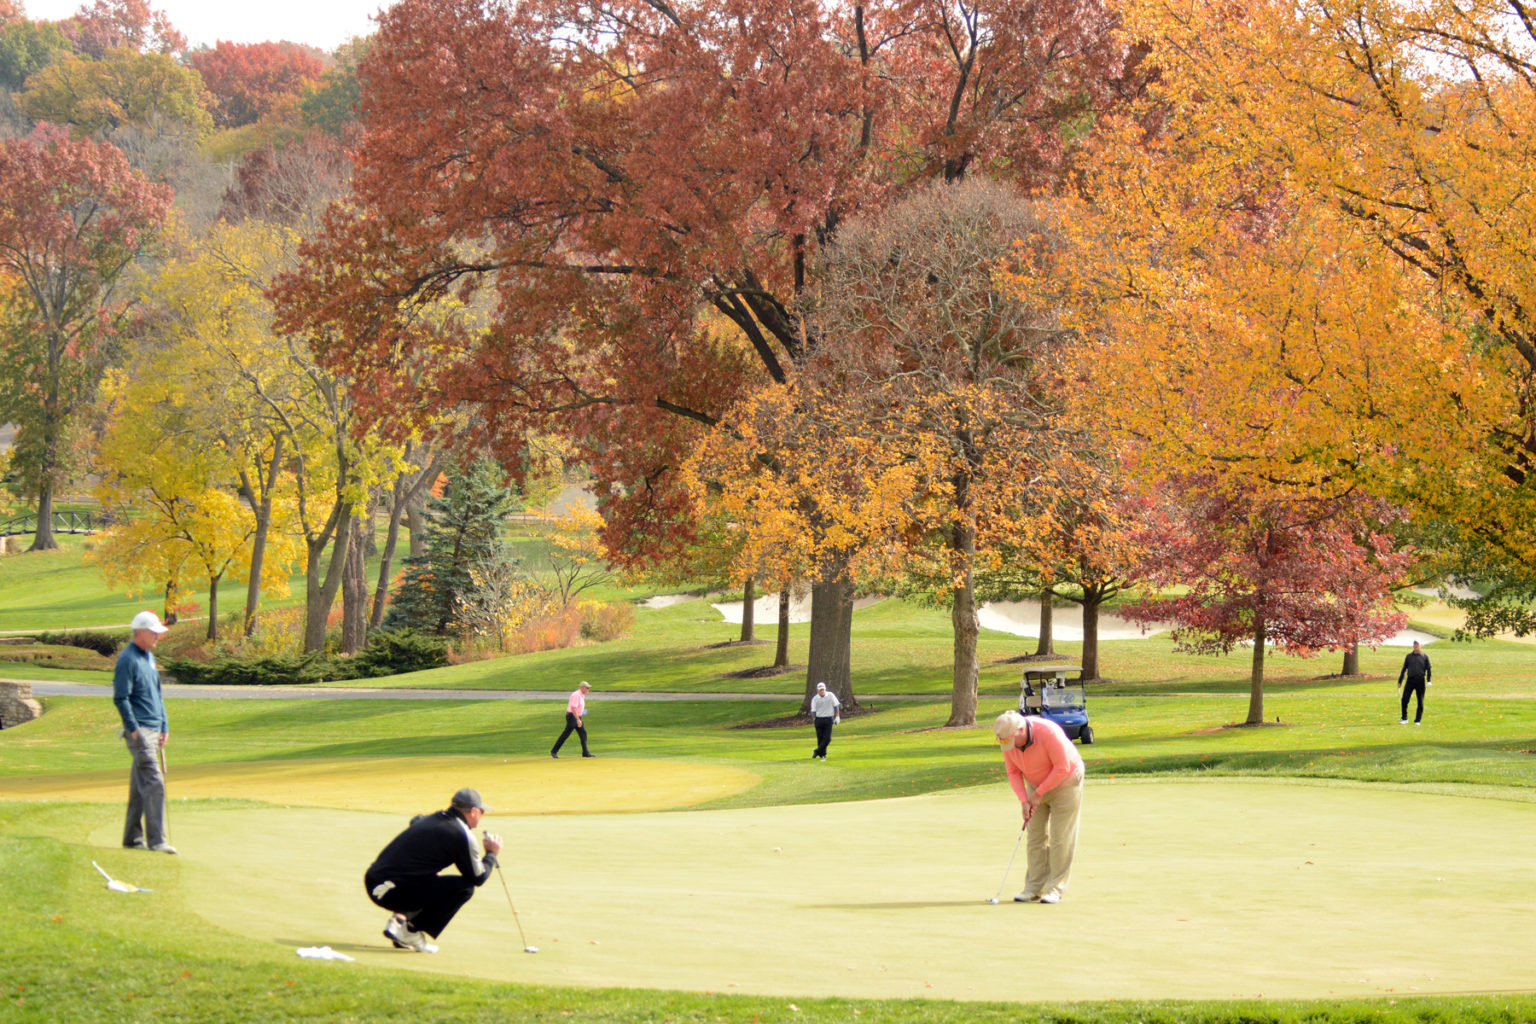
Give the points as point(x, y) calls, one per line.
point(146, 620)
point(1007, 725)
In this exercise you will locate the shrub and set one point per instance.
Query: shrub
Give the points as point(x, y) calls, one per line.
point(103, 643)
point(553, 629)
point(275, 670)
point(280, 631)
point(391, 651)
point(387, 653)
point(600, 622)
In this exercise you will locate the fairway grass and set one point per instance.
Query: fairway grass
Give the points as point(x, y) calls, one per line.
point(1198, 889)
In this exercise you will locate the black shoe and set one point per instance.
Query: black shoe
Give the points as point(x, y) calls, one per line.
point(140, 845)
point(554, 755)
point(588, 755)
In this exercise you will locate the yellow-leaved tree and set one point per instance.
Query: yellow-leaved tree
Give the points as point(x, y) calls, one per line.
point(285, 423)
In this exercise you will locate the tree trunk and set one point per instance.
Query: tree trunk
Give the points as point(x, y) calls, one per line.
point(43, 539)
point(1351, 661)
point(748, 609)
point(781, 651)
point(213, 607)
point(169, 606)
point(1091, 602)
point(354, 591)
point(831, 631)
point(1256, 678)
point(402, 507)
point(262, 509)
point(1047, 644)
point(320, 595)
point(967, 669)
point(416, 526)
point(387, 558)
point(370, 536)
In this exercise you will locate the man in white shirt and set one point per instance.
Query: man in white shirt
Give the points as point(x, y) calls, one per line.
point(824, 711)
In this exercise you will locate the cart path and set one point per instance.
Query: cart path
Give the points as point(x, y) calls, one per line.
point(41, 688)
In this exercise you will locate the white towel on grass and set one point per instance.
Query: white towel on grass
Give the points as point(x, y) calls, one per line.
point(323, 953)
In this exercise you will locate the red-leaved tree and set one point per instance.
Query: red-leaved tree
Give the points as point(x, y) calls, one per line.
point(112, 24)
point(249, 80)
point(1303, 574)
point(74, 217)
point(606, 172)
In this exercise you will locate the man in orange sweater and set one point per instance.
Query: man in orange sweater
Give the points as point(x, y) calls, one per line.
point(1046, 771)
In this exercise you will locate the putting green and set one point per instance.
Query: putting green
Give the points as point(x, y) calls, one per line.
point(1189, 889)
point(407, 785)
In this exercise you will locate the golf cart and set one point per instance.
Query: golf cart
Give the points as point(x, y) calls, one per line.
point(1048, 692)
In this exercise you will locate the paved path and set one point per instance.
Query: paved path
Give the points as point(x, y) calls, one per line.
point(172, 690)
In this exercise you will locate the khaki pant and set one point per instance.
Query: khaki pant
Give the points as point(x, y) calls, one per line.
point(1053, 838)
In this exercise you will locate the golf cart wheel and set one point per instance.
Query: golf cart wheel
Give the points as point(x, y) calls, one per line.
point(1086, 734)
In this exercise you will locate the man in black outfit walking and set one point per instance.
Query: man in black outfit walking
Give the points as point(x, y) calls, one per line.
point(1416, 671)
point(405, 876)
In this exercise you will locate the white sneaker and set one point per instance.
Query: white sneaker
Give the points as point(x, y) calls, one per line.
point(394, 930)
point(163, 848)
point(416, 940)
point(1402, 721)
point(1026, 897)
point(1050, 897)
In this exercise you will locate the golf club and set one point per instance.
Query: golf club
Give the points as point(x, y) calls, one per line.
point(1004, 882)
point(526, 948)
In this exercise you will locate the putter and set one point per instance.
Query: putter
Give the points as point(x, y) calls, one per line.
point(526, 948)
point(1001, 885)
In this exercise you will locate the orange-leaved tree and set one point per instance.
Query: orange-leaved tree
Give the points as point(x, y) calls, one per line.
point(810, 499)
point(1381, 154)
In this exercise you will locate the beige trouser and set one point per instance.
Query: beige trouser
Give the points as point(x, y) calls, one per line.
point(1053, 838)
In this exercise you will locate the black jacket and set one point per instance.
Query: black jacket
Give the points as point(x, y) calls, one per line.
point(430, 844)
point(1415, 668)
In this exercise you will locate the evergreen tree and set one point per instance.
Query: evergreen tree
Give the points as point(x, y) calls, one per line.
point(463, 527)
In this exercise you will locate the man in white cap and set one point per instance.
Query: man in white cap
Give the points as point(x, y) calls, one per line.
point(404, 877)
point(1046, 772)
point(575, 720)
point(136, 692)
point(824, 714)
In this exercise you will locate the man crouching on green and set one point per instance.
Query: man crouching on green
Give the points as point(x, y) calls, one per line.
point(404, 877)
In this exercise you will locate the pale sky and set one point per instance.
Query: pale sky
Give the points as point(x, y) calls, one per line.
point(323, 23)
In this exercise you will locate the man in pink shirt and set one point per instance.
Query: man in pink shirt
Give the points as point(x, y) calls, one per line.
point(1046, 771)
point(575, 720)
